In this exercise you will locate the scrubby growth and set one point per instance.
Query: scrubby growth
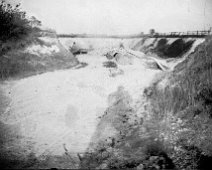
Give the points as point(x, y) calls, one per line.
point(25, 49)
point(185, 107)
point(132, 143)
point(16, 30)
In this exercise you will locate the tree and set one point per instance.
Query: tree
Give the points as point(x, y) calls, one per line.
point(15, 27)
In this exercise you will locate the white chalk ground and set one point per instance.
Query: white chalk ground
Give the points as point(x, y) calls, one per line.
point(62, 107)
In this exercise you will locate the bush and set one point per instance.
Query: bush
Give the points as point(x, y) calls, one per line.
point(16, 30)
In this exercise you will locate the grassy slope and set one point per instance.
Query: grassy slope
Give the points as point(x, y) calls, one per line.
point(133, 141)
point(184, 106)
point(22, 63)
point(174, 129)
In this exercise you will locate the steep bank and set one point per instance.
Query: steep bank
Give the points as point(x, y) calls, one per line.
point(163, 47)
point(43, 54)
point(183, 99)
point(172, 51)
point(169, 51)
point(167, 47)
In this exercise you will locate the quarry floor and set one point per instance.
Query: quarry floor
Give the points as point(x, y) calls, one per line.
point(55, 112)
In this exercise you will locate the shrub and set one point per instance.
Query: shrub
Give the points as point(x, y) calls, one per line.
point(16, 30)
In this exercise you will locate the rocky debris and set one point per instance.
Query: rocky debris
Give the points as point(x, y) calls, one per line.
point(121, 56)
point(113, 68)
point(110, 64)
point(109, 56)
point(129, 57)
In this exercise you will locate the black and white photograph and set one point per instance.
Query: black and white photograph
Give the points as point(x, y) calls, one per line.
point(106, 84)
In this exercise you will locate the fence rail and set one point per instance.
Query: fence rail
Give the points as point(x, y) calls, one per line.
point(192, 34)
point(188, 34)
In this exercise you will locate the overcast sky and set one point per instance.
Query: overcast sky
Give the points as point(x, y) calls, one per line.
point(121, 16)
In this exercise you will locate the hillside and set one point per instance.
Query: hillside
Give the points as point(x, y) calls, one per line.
point(169, 127)
point(185, 103)
point(44, 54)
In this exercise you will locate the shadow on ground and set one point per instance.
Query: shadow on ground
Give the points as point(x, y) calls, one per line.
point(124, 140)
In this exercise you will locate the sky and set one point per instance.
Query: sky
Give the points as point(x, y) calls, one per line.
point(120, 16)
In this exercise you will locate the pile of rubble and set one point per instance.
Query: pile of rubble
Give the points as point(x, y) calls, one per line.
point(121, 56)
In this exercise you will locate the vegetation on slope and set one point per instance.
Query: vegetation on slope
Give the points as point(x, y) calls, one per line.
point(17, 33)
point(186, 104)
point(16, 30)
point(169, 128)
point(126, 138)
point(164, 49)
